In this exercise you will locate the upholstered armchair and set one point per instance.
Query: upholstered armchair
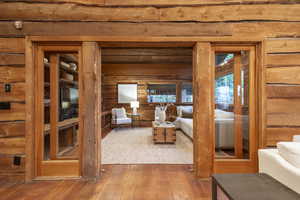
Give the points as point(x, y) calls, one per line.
point(119, 117)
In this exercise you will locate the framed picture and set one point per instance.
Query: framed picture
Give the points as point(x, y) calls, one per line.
point(127, 92)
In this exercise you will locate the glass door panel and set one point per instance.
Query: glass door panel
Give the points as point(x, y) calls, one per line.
point(68, 106)
point(47, 107)
point(232, 105)
point(59, 132)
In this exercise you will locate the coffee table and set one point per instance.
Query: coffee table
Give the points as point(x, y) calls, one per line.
point(163, 133)
point(258, 186)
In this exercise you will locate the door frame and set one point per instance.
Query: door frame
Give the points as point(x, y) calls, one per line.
point(46, 168)
point(238, 164)
point(91, 44)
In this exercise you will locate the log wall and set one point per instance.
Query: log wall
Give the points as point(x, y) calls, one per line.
point(282, 89)
point(276, 20)
point(142, 74)
point(12, 121)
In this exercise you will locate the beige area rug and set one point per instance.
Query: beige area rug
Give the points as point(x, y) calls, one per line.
point(135, 146)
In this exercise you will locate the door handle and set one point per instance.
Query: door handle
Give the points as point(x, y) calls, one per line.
point(239, 90)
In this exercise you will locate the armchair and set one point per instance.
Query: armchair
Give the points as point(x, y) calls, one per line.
point(119, 117)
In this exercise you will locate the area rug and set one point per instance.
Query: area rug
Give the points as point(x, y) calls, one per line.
point(135, 146)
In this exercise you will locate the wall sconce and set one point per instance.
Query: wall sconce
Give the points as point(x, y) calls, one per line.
point(18, 25)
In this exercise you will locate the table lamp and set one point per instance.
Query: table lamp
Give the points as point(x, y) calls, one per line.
point(134, 105)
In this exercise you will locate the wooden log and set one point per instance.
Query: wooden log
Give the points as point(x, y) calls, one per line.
point(283, 60)
point(258, 29)
point(16, 112)
point(263, 29)
point(147, 69)
point(283, 112)
point(173, 78)
point(147, 52)
point(71, 12)
point(203, 113)
point(12, 45)
point(91, 105)
point(84, 2)
point(12, 146)
point(283, 91)
point(279, 134)
point(147, 59)
point(17, 92)
point(11, 59)
point(7, 165)
point(231, 13)
point(283, 119)
point(12, 74)
point(290, 45)
point(286, 75)
point(160, 2)
point(116, 29)
point(283, 105)
point(183, 2)
point(12, 177)
point(12, 129)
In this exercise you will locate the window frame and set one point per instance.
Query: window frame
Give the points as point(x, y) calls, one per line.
point(180, 92)
point(163, 83)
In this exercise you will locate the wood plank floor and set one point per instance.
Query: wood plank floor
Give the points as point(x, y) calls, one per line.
point(118, 182)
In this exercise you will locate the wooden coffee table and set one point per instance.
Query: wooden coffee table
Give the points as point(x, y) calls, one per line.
point(163, 133)
point(250, 187)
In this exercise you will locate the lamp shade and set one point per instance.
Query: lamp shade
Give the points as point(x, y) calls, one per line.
point(134, 104)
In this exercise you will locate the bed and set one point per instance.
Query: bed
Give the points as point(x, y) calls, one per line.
point(224, 126)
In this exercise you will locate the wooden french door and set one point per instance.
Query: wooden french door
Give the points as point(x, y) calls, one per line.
point(235, 135)
point(58, 128)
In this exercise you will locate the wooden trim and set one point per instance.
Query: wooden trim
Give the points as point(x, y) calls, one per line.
point(262, 96)
point(203, 110)
point(39, 109)
point(29, 122)
point(253, 111)
point(238, 134)
point(160, 3)
point(65, 168)
point(186, 41)
point(178, 92)
point(54, 98)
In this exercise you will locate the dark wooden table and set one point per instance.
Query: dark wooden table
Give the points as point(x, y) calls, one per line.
point(136, 119)
point(250, 187)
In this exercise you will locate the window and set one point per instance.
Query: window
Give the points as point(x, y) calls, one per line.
point(161, 93)
point(224, 89)
point(187, 93)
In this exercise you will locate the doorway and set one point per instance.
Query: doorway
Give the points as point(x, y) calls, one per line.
point(203, 115)
point(146, 83)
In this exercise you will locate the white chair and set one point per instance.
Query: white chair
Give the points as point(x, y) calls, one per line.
point(119, 117)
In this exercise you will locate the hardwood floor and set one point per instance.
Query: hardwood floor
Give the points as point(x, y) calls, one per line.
point(118, 182)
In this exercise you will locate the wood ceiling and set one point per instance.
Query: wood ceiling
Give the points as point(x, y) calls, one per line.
point(146, 55)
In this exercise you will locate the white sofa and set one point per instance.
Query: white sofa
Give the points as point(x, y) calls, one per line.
point(282, 163)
